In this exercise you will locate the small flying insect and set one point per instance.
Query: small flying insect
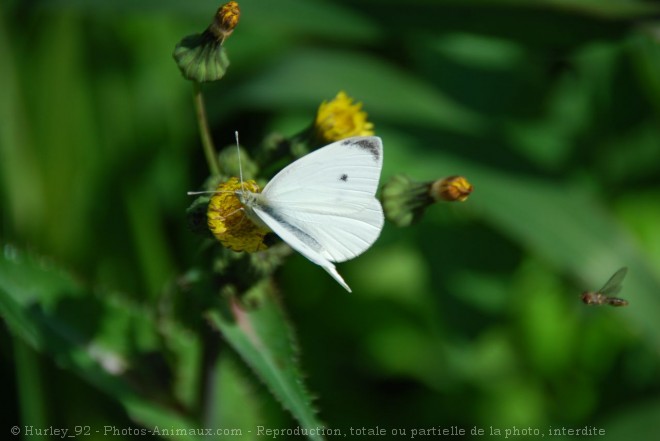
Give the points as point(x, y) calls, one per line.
point(611, 288)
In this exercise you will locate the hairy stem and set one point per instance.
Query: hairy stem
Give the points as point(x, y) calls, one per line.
point(204, 132)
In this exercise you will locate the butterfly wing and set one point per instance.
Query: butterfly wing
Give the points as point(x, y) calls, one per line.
point(299, 240)
point(348, 169)
point(330, 195)
point(324, 204)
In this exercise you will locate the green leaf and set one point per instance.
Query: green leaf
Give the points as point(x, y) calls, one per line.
point(639, 419)
point(53, 314)
point(321, 74)
point(264, 340)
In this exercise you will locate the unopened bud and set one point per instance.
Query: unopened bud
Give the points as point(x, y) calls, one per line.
point(404, 200)
point(451, 189)
point(226, 19)
point(202, 57)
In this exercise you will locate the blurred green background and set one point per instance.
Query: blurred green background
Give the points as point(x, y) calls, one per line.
point(472, 317)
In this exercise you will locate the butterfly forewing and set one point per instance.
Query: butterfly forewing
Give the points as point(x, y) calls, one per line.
point(341, 176)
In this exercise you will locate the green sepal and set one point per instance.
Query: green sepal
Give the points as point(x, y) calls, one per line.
point(201, 57)
point(404, 200)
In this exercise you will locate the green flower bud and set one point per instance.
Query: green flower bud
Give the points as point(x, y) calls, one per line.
point(404, 200)
point(202, 57)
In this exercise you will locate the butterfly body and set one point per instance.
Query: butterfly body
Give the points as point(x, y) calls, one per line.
point(324, 205)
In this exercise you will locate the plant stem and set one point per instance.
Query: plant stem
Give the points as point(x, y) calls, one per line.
point(30, 385)
point(204, 132)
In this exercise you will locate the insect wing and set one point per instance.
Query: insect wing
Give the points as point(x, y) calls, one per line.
point(336, 237)
point(327, 198)
point(614, 284)
point(345, 173)
point(299, 240)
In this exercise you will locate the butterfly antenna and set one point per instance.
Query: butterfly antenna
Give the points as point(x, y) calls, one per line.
point(240, 174)
point(240, 166)
point(194, 193)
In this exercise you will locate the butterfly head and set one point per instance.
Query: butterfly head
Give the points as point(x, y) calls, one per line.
point(246, 197)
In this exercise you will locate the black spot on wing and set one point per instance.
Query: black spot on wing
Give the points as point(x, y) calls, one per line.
point(370, 144)
point(344, 177)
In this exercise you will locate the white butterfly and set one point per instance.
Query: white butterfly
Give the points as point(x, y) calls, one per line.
point(324, 204)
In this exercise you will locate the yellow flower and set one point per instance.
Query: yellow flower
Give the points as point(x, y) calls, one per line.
point(227, 219)
point(226, 19)
point(340, 119)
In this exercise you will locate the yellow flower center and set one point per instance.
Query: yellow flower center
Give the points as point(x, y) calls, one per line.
point(227, 219)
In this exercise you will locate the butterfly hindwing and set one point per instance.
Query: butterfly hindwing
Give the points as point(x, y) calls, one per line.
point(300, 241)
point(338, 235)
